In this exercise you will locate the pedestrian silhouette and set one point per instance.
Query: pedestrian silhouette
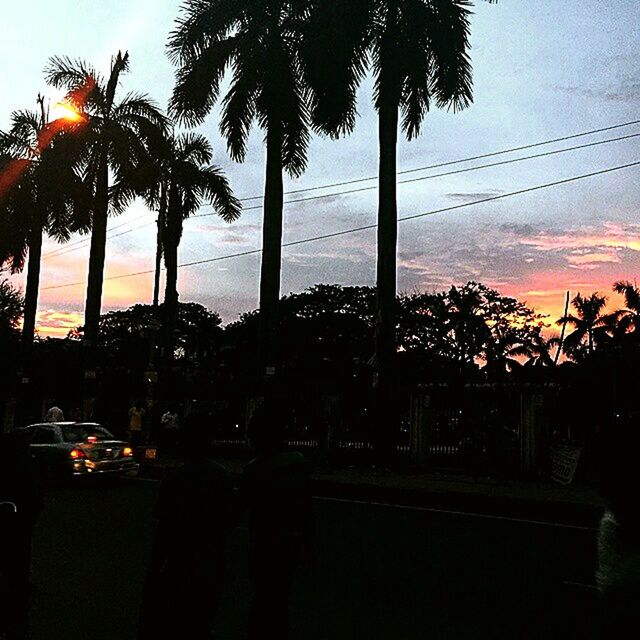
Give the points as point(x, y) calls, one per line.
point(275, 488)
point(136, 416)
point(20, 503)
point(55, 413)
point(618, 574)
point(195, 512)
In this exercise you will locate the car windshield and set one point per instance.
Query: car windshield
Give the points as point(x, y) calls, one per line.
point(80, 432)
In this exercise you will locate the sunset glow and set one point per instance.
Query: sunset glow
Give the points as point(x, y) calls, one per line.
point(580, 237)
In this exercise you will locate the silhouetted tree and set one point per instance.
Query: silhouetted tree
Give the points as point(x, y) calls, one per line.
point(11, 307)
point(513, 331)
point(49, 197)
point(259, 43)
point(117, 140)
point(590, 325)
point(183, 181)
point(541, 351)
point(418, 52)
point(627, 320)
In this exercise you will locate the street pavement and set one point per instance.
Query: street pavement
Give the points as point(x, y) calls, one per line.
point(379, 571)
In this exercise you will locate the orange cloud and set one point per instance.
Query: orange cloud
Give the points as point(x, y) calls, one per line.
point(607, 239)
point(57, 324)
point(546, 291)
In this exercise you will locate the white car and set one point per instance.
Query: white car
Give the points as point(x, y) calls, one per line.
point(63, 449)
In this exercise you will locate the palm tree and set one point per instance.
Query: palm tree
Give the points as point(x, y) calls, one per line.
point(117, 140)
point(626, 320)
point(258, 42)
point(539, 352)
point(589, 324)
point(466, 322)
point(184, 181)
point(418, 51)
point(48, 197)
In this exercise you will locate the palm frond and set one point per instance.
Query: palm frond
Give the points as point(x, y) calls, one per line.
point(448, 37)
point(216, 190)
point(239, 110)
point(200, 23)
point(631, 294)
point(25, 125)
point(193, 148)
point(140, 106)
point(198, 82)
point(63, 72)
point(334, 67)
point(283, 100)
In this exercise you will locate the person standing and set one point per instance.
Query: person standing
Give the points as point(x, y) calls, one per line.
point(136, 415)
point(275, 488)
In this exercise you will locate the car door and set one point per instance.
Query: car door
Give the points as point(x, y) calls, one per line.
point(43, 445)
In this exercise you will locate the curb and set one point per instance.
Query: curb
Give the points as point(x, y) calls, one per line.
point(553, 512)
point(481, 500)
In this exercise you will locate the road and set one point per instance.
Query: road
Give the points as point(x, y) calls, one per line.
point(380, 572)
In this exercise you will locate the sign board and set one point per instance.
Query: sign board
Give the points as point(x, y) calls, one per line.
point(564, 462)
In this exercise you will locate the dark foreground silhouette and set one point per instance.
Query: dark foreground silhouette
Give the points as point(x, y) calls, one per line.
point(20, 503)
point(197, 509)
point(275, 488)
point(195, 512)
point(619, 535)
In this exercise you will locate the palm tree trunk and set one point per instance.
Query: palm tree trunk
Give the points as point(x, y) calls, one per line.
point(271, 252)
point(29, 322)
point(170, 241)
point(97, 258)
point(384, 401)
point(94, 290)
point(160, 222)
point(32, 288)
point(563, 331)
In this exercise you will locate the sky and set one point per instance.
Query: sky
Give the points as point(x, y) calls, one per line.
point(542, 70)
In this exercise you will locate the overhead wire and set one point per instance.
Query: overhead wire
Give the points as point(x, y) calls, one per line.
point(81, 243)
point(335, 234)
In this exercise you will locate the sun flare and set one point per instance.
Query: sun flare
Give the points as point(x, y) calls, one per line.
point(66, 111)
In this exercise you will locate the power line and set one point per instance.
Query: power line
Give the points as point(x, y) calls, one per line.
point(469, 159)
point(373, 226)
point(446, 173)
point(70, 248)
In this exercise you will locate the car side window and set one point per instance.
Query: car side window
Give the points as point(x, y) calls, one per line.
point(44, 435)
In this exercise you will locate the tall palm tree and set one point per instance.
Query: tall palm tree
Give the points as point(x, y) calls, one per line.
point(259, 43)
point(184, 181)
point(418, 50)
point(117, 140)
point(589, 324)
point(49, 197)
